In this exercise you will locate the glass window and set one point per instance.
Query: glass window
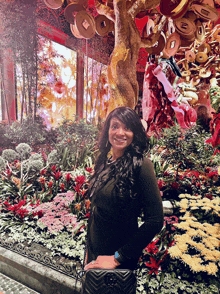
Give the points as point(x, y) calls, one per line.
point(56, 95)
point(96, 94)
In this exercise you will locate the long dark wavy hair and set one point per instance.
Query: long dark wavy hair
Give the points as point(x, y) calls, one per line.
point(127, 167)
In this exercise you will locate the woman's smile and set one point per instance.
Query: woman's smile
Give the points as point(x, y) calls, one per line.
point(120, 137)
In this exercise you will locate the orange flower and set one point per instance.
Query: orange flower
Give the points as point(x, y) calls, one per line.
point(88, 204)
point(16, 181)
point(78, 206)
point(42, 180)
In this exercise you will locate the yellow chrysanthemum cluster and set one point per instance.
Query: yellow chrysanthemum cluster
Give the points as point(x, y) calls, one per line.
point(207, 248)
point(189, 202)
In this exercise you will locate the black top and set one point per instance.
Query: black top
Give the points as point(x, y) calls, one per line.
point(113, 223)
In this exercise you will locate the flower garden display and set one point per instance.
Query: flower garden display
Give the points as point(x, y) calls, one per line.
point(44, 203)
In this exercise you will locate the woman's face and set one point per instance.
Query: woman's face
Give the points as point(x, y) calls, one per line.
point(120, 137)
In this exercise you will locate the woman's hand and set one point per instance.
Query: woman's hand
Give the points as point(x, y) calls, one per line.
point(104, 262)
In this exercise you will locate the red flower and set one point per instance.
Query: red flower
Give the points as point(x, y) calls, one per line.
point(209, 196)
point(38, 213)
point(50, 184)
point(57, 175)
point(166, 174)
point(80, 180)
point(154, 265)
point(43, 172)
point(8, 173)
point(42, 180)
point(151, 248)
point(161, 184)
point(215, 130)
point(62, 187)
point(175, 185)
point(53, 167)
point(77, 188)
point(44, 156)
point(212, 174)
point(198, 184)
point(6, 203)
point(87, 215)
point(22, 213)
point(172, 243)
point(89, 169)
point(68, 178)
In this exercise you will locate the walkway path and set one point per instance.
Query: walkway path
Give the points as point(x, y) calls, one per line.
point(9, 286)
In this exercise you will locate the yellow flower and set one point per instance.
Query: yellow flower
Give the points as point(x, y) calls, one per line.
point(187, 258)
point(211, 268)
point(206, 208)
point(219, 170)
point(174, 252)
point(182, 247)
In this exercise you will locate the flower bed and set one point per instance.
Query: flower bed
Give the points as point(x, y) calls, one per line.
point(41, 202)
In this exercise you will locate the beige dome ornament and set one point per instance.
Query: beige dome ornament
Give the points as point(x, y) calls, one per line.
point(54, 4)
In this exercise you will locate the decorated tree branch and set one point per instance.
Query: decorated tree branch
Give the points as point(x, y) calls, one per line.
point(122, 75)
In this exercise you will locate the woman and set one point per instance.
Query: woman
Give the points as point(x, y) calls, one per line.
point(122, 187)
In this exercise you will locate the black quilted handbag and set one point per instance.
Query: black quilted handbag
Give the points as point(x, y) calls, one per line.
point(104, 281)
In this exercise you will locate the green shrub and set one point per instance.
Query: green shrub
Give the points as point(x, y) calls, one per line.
point(186, 148)
point(31, 132)
point(76, 142)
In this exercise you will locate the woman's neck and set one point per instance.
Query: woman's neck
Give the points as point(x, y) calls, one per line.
point(117, 154)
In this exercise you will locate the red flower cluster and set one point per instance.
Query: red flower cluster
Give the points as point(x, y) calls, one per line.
point(80, 180)
point(16, 208)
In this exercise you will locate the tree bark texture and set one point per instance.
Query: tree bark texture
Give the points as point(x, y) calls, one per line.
point(122, 77)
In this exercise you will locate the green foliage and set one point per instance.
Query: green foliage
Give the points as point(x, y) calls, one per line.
point(33, 133)
point(75, 144)
point(173, 285)
point(214, 93)
point(186, 149)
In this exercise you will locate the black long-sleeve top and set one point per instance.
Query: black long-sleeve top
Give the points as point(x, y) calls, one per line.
point(113, 223)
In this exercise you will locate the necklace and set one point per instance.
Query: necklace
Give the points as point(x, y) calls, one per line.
point(110, 161)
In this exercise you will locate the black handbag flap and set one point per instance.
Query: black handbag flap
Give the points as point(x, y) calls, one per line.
point(104, 281)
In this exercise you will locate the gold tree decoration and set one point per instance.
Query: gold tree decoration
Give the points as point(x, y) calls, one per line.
point(122, 75)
